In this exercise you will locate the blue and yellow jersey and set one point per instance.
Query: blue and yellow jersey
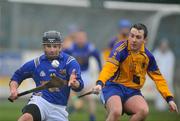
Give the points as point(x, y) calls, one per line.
point(129, 68)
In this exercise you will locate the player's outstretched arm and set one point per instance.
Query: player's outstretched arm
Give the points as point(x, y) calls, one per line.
point(157, 77)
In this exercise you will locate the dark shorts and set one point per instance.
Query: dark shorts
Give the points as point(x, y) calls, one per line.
point(117, 89)
point(33, 110)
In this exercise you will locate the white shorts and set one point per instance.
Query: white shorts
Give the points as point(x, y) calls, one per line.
point(49, 111)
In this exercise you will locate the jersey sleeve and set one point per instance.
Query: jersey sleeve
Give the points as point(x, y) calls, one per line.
point(71, 65)
point(24, 72)
point(157, 77)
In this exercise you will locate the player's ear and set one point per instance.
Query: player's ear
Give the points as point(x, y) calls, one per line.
point(145, 41)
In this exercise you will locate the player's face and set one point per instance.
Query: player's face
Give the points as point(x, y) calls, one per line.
point(52, 50)
point(81, 38)
point(136, 39)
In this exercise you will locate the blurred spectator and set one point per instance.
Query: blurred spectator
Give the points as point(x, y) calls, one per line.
point(165, 60)
point(123, 31)
point(74, 104)
point(83, 50)
point(68, 40)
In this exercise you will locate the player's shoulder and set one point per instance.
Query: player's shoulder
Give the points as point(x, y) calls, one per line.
point(120, 46)
point(149, 54)
point(40, 58)
point(31, 63)
point(68, 58)
point(64, 55)
point(37, 60)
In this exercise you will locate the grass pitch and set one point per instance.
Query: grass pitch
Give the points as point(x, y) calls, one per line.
point(11, 111)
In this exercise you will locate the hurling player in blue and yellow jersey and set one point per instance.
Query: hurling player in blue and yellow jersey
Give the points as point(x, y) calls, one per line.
point(123, 75)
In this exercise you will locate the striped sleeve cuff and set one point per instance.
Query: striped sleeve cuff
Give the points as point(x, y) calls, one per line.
point(169, 98)
point(99, 82)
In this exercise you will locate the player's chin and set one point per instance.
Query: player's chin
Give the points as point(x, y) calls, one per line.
point(52, 56)
point(133, 48)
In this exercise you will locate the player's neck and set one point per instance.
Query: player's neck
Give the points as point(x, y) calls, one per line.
point(135, 51)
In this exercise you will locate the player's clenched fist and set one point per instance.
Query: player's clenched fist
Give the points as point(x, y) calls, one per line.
point(14, 94)
point(173, 107)
point(97, 88)
point(73, 82)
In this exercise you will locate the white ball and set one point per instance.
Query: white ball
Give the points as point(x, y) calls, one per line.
point(55, 63)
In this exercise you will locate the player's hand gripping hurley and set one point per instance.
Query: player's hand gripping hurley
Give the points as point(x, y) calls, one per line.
point(54, 82)
point(95, 90)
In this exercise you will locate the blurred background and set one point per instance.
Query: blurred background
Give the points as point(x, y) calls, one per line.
point(22, 23)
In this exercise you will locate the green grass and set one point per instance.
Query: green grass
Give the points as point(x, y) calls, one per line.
point(11, 111)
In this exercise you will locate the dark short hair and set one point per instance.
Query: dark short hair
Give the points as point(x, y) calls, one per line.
point(140, 26)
